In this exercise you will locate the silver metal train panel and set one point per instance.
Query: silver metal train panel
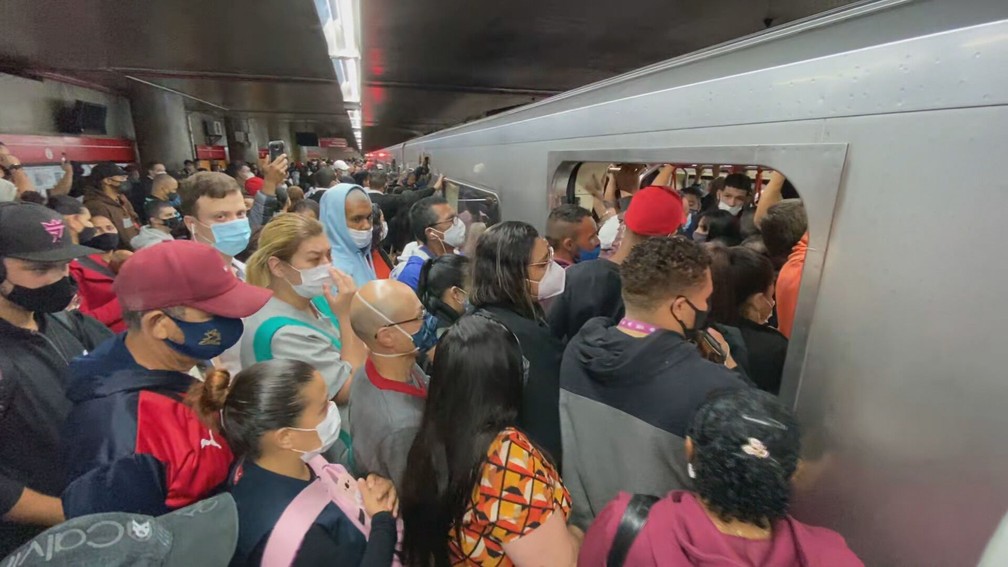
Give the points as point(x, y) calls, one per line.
point(898, 148)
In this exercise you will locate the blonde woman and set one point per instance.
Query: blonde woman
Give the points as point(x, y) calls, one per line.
point(310, 308)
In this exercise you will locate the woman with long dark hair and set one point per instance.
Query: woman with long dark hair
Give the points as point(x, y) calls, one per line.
point(718, 226)
point(478, 488)
point(513, 270)
point(742, 448)
point(744, 299)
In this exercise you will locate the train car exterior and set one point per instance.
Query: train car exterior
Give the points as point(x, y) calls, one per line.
point(891, 120)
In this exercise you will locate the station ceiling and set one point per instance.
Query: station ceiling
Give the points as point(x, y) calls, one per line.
point(427, 65)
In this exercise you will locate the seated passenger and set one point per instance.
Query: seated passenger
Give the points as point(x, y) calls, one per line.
point(38, 339)
point(628, 390)
point(513, 270)
point(744, 298)
point(308, 317)
point(96, 273)
point(743, 449)
point(442, 288)
point(346, 217)
point(214, 211)
point(388, 393)
point(785, 233)
point(277, 416)
point(571, 231)
point(718, 226)
point(593, 288)
point(438, 229)
point(129, 444)
point(499, 499)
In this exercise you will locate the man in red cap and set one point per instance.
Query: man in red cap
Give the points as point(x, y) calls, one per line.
point(130, 444)
point(594, 288)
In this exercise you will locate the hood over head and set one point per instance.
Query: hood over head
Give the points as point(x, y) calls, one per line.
point(345, 254)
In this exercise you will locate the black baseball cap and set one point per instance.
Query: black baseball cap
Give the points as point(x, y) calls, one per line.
point(29, 231)
point(105, 170)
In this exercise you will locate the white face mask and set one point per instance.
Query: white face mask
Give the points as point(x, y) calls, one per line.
point(313, 281)
point(608, 232)
point(328, 432)
point(384, 230)
point(733, 210)
point(361, 238)
point(454, 236)
point(553, 281)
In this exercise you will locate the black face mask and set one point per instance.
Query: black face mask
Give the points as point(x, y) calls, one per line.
point(46, 299)
point(172, 223)
point(699, 323)
point(86, 234)
point(106, 242)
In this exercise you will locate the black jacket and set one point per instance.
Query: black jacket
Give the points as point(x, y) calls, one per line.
point(767, 349)
point(593, 289)
point(396, 208)
point(540, 415)
point(33, 405)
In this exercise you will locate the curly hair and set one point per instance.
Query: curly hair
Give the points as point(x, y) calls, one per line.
point(660, 268)
point(734, 476)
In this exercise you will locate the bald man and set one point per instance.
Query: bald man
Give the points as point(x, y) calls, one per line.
point(388, 394)
point(164, 188)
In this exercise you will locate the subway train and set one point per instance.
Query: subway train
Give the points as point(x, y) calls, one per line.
point(890, 119)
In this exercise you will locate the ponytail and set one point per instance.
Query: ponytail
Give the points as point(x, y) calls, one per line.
point(207, 398)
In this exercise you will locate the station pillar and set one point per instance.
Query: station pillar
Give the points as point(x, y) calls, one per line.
point(162, 129)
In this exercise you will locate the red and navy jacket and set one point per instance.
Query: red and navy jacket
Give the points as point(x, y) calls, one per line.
point(130, 444)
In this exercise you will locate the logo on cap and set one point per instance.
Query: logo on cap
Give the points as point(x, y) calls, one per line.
point(55, 229)
point(211, 338)
point(138, 531)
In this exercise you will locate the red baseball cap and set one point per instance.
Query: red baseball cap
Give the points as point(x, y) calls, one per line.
point(253, 185)
point(183, 273)
point(655, 211)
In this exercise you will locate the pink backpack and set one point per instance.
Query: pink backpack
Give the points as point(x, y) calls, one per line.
point(334, 484)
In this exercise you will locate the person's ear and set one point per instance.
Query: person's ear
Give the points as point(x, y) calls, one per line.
point(283, 438)
point(159, 325)
point(190, 223)
point(275, 266)
point(689, 448)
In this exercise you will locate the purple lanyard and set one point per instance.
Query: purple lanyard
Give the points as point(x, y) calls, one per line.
point(631, 325)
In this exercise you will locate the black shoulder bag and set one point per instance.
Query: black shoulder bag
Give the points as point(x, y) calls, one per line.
point(632, 522)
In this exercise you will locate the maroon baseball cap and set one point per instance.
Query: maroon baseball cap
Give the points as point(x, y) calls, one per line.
point(187, 274)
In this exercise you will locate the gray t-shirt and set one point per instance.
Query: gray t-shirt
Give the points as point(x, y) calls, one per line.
point(296, 342)
point(384, 418)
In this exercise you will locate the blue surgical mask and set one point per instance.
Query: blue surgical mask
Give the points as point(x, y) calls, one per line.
point(590, 254)
point(231, 237)
point(203, 341)
point(174, 200)
point(426, 337)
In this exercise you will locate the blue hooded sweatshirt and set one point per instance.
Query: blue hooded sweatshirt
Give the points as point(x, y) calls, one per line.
point(356, 262)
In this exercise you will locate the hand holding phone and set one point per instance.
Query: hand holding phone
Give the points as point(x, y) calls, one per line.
point(276, 149)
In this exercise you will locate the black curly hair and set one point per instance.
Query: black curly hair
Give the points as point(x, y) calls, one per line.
point(733, 477)
point(660, 268)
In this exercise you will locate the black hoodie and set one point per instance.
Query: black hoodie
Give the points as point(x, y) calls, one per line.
point(625, 406)
point(33, 405)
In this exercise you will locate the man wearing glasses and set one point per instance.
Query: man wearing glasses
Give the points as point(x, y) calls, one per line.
point(388, 394)
point(438, 229)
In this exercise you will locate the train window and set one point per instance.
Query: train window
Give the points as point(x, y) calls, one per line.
point(716, 221)
point(474, 205)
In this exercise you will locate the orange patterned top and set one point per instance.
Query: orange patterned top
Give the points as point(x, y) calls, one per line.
point(518, 492)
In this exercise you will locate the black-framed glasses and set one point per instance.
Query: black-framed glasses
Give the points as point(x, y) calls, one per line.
point(450, 219)
point(421, 317)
